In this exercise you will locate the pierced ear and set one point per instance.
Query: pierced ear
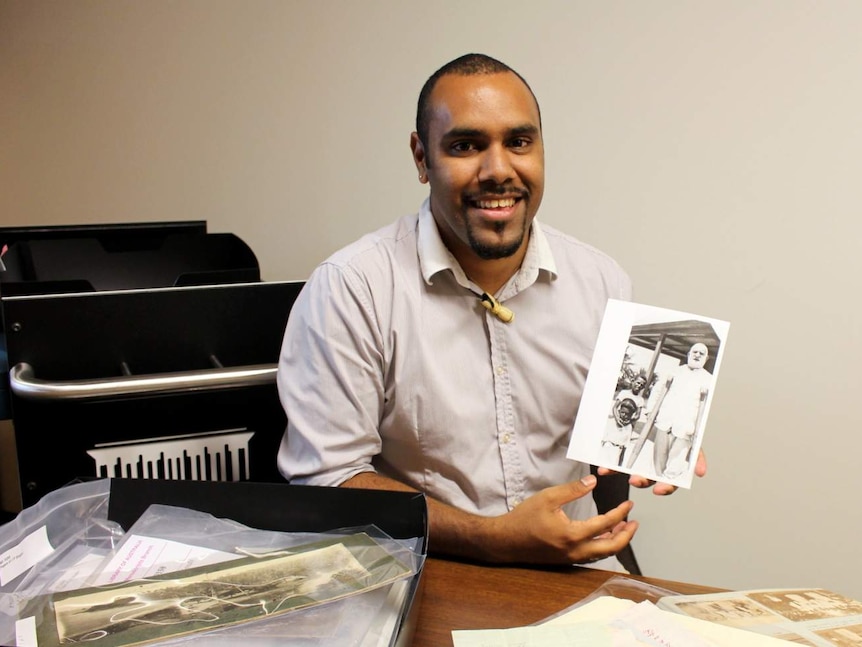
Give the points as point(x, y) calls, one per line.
point(419, 157)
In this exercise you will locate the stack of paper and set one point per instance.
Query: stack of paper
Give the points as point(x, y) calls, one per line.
point(612, 622)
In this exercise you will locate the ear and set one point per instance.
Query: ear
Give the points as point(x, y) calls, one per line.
point(419, 158)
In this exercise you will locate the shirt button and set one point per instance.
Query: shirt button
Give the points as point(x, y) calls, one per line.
point(501, 370)
point(517, 500)
point(505, 439)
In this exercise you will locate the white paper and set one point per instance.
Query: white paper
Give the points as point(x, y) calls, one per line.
point(616, 623)
point(79, 573)
point(22, 557)
point(652, 626)
point(25, 632)
point(608, 608)
point(142, 556)
point(586, 634)
point(602, 609)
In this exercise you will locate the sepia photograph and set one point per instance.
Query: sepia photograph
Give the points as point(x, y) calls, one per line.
point(803, 605)
point(648, 392)
point(849, 636)
point(206, 598)
point(737, 612)
point(811, 617)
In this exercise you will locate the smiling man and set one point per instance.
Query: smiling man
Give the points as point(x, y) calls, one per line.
point(479, 145)
point(447, 352)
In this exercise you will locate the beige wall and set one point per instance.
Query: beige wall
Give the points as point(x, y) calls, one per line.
point(713, 147)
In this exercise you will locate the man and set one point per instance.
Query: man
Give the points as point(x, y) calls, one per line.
point(402, 366)
point(680, 412)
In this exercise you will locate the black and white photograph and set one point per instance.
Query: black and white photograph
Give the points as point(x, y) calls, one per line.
point(648, 392)
point(204, 598)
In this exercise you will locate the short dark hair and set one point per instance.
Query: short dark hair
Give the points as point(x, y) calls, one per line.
point(628, 403)
point(466, 65)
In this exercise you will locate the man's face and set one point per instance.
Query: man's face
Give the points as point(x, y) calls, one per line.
point(485, 163)
point(697, 355)
point(638, 384)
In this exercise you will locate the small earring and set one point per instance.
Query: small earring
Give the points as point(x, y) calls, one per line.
point(422, 176)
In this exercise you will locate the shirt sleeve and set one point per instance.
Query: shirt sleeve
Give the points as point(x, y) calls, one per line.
point(330, 380)
point(625, 286)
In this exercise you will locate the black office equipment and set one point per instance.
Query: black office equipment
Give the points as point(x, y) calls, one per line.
point(156, 360)
point(84, 258)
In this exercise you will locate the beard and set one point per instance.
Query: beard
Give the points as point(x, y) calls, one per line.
point(489, 251)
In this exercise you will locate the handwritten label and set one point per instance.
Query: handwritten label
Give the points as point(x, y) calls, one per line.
point(656, 627)
point(27, 553)
point(141, 556)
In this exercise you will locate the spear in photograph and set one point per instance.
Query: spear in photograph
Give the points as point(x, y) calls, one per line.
point(639, 443)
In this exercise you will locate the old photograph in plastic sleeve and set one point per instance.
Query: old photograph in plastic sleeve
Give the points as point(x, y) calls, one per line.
point(201, 599)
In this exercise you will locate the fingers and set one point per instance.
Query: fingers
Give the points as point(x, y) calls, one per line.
point(660, 489)
point(607, 524)
point(700, 465)
point(663, 489)
point(640, 481)
point(620, 526)
point(559, 495)
point(607, 544)
point(634, 480)
point(539, 528)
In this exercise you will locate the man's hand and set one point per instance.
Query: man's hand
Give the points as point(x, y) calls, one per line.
point(539, 531)
point(661, 489)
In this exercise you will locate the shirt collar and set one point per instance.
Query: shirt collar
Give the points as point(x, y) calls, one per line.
point(435, 257)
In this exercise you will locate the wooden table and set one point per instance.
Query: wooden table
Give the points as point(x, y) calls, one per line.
point(460, 595)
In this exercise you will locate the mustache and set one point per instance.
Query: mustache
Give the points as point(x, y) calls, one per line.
point(496, 189)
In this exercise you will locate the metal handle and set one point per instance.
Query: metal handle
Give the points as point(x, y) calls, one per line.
point(25, 384)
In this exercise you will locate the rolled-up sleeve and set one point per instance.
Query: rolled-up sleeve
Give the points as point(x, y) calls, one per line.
point(330, 380)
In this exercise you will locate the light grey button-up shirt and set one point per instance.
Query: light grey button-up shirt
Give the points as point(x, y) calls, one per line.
point(391, 363)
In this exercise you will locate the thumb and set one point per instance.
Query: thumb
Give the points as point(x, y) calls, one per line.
point(559, 495)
